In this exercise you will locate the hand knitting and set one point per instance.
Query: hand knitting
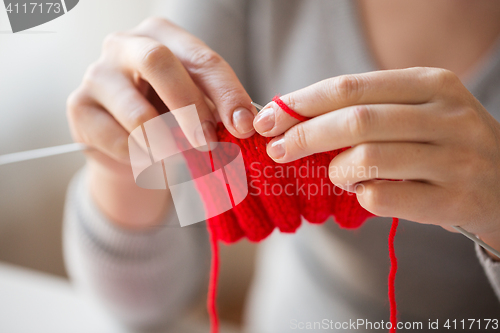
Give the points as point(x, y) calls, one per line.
point(279, 194)
point(264, 209)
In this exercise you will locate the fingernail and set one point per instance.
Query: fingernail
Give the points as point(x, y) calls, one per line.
point(205, 134)
point(265, 119)
point(276, 150)
point(243, 120)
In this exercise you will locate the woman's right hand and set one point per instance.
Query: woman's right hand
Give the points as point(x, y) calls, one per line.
point(142, 73)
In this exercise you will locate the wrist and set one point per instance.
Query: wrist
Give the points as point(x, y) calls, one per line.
point(123, 202)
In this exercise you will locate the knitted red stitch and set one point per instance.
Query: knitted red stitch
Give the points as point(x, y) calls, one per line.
point(258, 215)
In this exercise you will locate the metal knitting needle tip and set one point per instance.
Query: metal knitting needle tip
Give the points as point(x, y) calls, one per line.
point(259, 107)
point(477, 240)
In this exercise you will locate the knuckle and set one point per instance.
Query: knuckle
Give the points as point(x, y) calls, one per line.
point(74, 101)
point(227, 95)
point(111, 40)
point(347, 88)
point(374, 200)
point(360, 121)
point(446, 78)
point(153, 55)
point(138, 116)
point(440, 79)
point(367, 155)
point(443, 78)
point(470, 164)
point(152, 23)
point(468, 170)
point(94, 74)
point(74, 114)
point(446, 75)
point(468, 119)
point(292, 101)
point(469, 116)
point(298, 137)
point(426, 71)
point(203, 57)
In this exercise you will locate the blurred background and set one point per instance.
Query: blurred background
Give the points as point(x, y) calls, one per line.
point(38, 70)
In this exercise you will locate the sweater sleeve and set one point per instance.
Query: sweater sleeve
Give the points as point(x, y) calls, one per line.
point(491, 268)
point(143, 278)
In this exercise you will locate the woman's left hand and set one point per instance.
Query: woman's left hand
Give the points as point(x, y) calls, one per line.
point(419, 124)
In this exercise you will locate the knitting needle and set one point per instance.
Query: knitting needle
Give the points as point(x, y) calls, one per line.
point(477, 240)
point(459, 229)
point(39, 153)
point(259, 107)
point(53, 151)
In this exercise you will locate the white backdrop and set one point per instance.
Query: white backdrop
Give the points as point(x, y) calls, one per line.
point(38, 70)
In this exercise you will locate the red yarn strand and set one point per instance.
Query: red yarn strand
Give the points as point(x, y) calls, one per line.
point(392, 275)
point(214, 270)
point(212, 286)
point(285, 108)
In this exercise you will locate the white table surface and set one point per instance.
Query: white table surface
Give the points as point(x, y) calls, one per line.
point(33, 302)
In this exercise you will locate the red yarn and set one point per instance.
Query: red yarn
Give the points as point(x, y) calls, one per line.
point(257, 215)
point(214, 268)
point(212, 286)
point(392, 274)
point(285, 108)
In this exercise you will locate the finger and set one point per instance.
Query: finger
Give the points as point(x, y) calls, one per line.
point(210, 72)
point(410, 200)
point(120, 97)
point(388, 160)
point(157, 65)
point(404, 86)
point(94, 126)
point(354, 125)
